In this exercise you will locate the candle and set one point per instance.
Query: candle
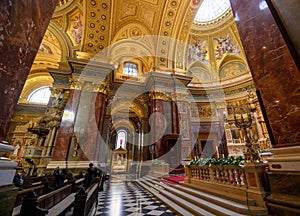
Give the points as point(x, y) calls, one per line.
point(241, 111)
point(247, 108)
point(233, 113)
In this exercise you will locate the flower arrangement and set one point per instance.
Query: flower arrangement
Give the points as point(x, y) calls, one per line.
point(239, 161)
point(158, 163)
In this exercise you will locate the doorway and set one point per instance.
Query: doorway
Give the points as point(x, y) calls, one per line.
point(208, 150)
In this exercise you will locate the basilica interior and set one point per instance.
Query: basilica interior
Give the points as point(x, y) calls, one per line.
point(204, 91)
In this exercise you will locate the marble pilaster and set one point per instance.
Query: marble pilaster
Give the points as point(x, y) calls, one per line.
point(91, 143)
point(274, 71)
point(65, 131)
point(277, 80)
point(221, 112)
point(175, 120)
point(158, 126)
point(23, 25)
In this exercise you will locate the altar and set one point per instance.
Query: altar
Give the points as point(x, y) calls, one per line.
point(119, 161)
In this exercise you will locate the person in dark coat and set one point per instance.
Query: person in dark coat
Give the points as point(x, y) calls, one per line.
point(90, 175)
point(18, 179)
point(59, 177)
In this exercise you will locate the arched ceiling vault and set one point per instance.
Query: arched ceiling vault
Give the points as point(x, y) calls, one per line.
point(86, 28)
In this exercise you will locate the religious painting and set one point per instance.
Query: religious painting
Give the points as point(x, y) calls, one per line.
point(197, 51)
point(186, 153)
point(76, 28)
point(121, 139)
point(182, 108)
point(184, 129)
point(228, 135)
point(225, 45)
point(232, 69)
point(200, 75)
point(194, 111)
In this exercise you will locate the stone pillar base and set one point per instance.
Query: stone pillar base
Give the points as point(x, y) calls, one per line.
point(8, 195)
point(284, 180)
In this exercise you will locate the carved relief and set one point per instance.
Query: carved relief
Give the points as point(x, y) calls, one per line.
point(232, 69)
point(135, 33)
point(58, 21)
point(148, 16)
point(128, 9)
point(45, 49)
point(200, 75)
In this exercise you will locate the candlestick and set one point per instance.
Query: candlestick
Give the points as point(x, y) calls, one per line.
point(233, 112)
point(244, 124)
point(241, 111)
point(247, 109)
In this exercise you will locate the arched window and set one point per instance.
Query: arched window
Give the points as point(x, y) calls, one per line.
point(211, 9)
point(130, 69)
point(40, 95)
point(121, 139)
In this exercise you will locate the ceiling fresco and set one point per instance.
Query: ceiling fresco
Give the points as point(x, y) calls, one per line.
point(160, 34)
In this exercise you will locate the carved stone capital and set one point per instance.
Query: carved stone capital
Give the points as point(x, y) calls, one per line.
point(155, 95)
point(76, 84)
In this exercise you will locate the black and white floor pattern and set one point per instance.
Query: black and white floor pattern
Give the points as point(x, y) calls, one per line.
point(127, 198)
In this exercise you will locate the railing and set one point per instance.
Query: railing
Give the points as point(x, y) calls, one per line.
point(250, 179)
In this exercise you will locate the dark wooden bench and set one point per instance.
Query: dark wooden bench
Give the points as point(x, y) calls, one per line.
point(86, 200)
point(56, 202)
point(22, 193)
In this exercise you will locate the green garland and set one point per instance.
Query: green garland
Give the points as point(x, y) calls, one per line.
point(239, 161)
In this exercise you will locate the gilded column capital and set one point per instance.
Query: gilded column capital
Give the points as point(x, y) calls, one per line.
point(56, 92)
point(220, 104)
point(155, 95)
point(103, 88)
point(76, 84)
point(96, 87)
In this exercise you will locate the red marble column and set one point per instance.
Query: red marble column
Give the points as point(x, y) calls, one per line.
point(221, 112)
point(91, 143)
point(65, 131)
point(157, 126)
point(274, 71)
point(175, 128)
point(23, 23)
point(102, 101)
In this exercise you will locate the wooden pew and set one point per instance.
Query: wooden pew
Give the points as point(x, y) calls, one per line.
point(22, 193)
point(86, 200)
point(56, 201)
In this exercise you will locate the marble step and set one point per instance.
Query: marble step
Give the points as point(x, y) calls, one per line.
point(236, 206)
point(173, 206)
point(177, 204)
point(229, 204)
point(194, 200)
point(233, 203)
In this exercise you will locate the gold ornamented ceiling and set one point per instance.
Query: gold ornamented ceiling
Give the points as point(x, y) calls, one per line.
point(157, 33)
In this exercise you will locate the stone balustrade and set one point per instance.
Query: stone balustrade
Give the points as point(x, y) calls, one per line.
point(249, 180)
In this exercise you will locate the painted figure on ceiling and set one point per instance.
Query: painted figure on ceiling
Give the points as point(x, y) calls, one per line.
point(197, 52)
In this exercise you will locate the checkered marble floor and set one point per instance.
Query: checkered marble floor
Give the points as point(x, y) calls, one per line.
point(127, 198)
